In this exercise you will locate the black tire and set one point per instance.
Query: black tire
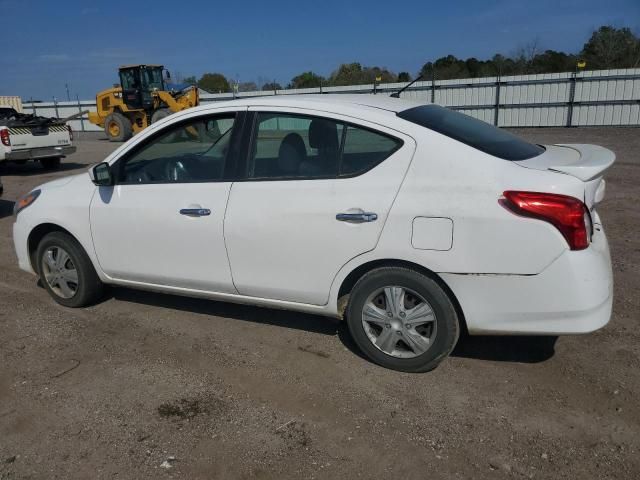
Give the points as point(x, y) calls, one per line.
point(89, 287)
point(447, 326)
point(124, 127)
point(50, 163)
point(159, 115)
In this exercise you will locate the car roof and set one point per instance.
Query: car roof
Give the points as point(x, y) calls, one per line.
point(379, 102)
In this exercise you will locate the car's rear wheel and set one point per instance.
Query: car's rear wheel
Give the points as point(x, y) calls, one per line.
point(402, 319)
point(67, 272)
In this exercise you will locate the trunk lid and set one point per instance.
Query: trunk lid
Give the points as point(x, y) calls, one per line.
point(585, 162)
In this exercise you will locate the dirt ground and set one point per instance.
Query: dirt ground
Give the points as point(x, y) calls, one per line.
point(217, 391)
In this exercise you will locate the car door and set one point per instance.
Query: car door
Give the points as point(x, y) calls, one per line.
point(317, 194)
point(162, 221)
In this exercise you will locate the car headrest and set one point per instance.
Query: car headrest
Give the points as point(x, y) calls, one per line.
point(323, 134)
point(291, 154)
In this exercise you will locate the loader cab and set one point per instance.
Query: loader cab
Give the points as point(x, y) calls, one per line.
point(138, 82)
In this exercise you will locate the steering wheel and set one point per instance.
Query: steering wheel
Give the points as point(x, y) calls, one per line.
point(139, 177)
point(175, 171)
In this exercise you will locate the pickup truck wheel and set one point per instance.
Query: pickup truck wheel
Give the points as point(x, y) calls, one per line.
point(50, 163)
point(118, 127)
point(402, 319)
point(67, 272)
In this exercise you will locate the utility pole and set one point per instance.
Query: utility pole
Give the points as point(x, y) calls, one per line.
point(66, 86)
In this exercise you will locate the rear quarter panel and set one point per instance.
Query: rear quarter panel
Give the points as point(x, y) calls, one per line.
point(447, 179)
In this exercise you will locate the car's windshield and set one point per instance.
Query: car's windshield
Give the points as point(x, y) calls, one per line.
point(473, 132)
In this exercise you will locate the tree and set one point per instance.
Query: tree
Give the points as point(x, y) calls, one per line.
point(370, 74)
point(404, 77)
point(271, 86)
point(306, 80)
point(611, 47)
point(356, 74)
point(552, 61)
point(190, 80)
point(446, 67)
point(247, 87)
point(347, 74)
point(426, 71)
point(525, 54)
point(214, 83)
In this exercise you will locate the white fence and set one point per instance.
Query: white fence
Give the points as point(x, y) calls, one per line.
point(592, 98)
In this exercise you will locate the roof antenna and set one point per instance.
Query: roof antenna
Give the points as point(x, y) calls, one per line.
point(397, 94)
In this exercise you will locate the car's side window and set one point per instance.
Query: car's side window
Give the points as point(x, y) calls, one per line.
point(294, 146)
point(194, 151)
point(305, 147)
point(364, 149)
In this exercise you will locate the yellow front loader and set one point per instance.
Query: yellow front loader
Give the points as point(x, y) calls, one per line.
point(140, 100)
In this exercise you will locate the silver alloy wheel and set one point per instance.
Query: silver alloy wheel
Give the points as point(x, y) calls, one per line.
point(59, 272)
point(399, 322)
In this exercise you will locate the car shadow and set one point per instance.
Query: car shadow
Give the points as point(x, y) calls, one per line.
point(517, 349)
point(6, 208)
point(10, 169)
point(246, 313)
point(506, 348)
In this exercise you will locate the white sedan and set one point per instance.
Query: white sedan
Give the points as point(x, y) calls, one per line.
point(411, 221)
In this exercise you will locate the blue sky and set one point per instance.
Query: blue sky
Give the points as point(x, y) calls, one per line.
point(49, 43)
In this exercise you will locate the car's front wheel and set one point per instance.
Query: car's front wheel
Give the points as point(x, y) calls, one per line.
point(402, 319)
point(67, 272)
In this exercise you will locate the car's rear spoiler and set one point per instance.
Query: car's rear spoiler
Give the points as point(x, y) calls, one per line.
point(582, 161)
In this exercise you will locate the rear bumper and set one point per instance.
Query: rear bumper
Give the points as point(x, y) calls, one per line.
point(42, 152)
point(573, 295)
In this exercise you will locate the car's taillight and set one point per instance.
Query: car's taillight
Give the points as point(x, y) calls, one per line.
point(568, 214)
point(70, 132)
point(4, 137)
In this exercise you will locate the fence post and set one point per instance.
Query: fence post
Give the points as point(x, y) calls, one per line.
point(433, 84)
point(55, 106)
point(80, 112)
point(496, 113)
point(572, 97)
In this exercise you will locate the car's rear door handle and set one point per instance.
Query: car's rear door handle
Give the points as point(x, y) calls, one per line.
point(357, 216)
point(195, 212)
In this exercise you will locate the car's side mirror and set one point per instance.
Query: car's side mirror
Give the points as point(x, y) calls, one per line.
point(101, 175)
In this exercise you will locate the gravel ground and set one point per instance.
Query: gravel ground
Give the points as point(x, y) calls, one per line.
point(154, 386)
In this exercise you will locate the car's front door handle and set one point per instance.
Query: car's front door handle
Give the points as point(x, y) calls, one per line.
point(195, 212)
point(358, 216)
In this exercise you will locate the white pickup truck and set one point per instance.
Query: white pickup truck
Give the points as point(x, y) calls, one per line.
point(26, 137)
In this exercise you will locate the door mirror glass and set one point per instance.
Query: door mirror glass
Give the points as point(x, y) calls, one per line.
point(102, 175)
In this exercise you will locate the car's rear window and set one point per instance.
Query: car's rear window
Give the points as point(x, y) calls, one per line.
point(473, 132)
